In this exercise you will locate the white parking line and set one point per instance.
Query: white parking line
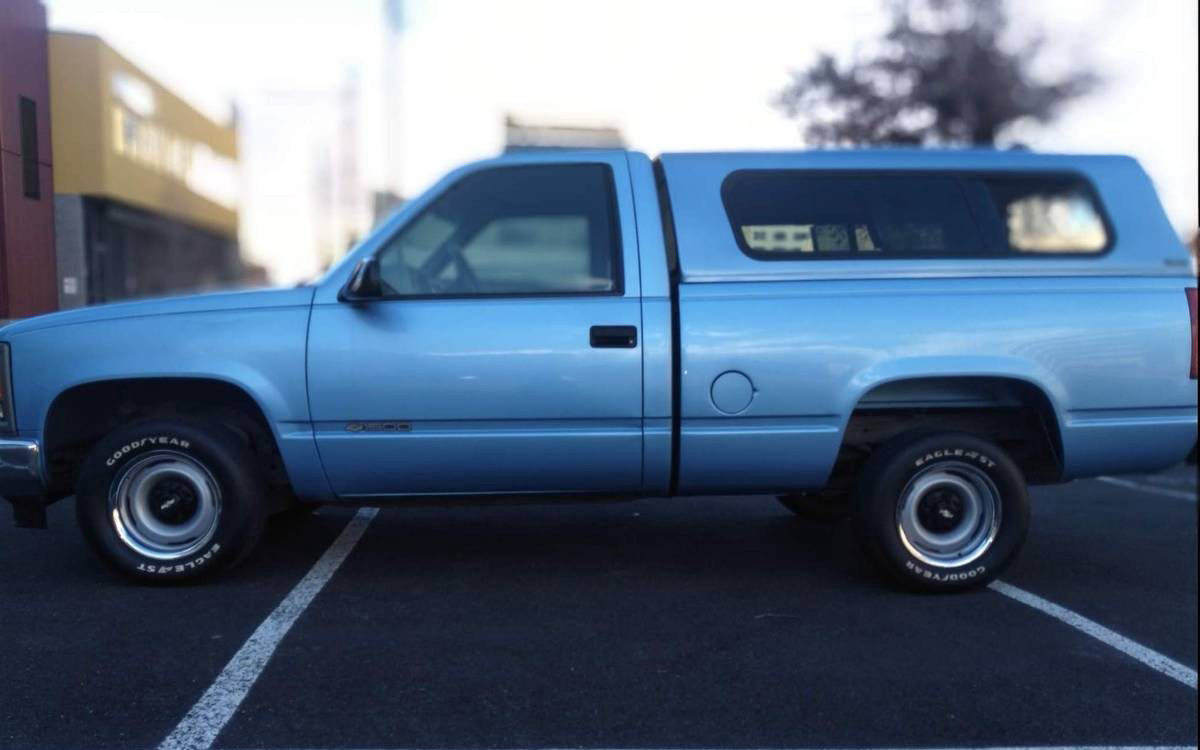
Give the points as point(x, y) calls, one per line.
point(1177, 494)
point(1149, 657)
point(200, 727)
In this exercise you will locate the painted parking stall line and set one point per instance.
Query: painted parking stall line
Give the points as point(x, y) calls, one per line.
point(200, 726)
point(1152, 489)
point(1147, 656)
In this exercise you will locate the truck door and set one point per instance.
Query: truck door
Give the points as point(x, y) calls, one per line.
point(504, 354)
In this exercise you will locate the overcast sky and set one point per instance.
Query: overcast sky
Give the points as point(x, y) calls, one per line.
point(671, 74)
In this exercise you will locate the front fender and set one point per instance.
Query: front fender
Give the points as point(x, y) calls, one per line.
point(262, 351)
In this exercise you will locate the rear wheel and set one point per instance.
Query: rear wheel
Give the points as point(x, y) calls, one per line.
point(941, 511)
point(171, 499)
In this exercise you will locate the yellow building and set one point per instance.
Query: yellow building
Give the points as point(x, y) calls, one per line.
point(145, 185)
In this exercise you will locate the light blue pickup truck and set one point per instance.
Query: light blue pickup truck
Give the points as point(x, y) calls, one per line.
point(905, 338)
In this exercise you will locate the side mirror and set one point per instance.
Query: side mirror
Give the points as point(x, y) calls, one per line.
point(364, 283)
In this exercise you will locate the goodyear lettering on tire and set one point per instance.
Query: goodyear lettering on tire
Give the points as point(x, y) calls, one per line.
point(934, 575)
point(136, 444)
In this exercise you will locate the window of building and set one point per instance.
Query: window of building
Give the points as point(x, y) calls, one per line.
point(798, 214)
point(31, 185)
point(524, 230)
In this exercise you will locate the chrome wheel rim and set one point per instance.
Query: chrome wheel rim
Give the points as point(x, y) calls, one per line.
point(165, 505)
point(948, 515)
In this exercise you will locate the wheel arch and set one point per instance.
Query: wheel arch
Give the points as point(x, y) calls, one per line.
point(81, 414)
point(1006, 404)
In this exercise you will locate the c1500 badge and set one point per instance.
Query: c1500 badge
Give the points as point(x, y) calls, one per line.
point(378, 427)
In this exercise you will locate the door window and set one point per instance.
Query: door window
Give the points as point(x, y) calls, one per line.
point(522, 230)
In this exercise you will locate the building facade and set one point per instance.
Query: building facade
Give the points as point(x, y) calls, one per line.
point(145, 195)
point(27, 267)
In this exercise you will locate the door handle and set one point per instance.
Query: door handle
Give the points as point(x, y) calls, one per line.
point(614, 337)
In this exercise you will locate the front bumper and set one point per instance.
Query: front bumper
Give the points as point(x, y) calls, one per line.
point(22, 480)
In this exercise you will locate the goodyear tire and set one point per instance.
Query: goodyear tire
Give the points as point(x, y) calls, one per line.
point(819, 507)
point(171, 500)
point(941, 511)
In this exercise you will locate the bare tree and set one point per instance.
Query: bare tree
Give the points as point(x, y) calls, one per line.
point(944, 73)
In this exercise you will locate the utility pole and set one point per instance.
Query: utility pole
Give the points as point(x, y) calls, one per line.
point(393, 12)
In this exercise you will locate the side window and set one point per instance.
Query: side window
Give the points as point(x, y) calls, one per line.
point(538, 229)
point(1050, 214)
point(795, 214)
point(789, 215)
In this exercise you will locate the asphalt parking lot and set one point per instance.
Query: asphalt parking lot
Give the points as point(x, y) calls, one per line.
point(698, 623)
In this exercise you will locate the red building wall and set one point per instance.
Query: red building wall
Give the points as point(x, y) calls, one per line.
point(28, 278)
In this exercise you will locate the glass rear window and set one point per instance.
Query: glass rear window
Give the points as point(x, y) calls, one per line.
point(798, 214)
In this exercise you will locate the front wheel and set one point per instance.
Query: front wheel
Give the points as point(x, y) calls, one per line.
point(171, 500)
point(941, 511)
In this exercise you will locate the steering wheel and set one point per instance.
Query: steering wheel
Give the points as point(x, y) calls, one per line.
point(467, 279)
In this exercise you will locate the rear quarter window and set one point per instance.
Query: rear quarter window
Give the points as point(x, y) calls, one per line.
point(800, 214)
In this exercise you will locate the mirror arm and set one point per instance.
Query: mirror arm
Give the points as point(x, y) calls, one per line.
point(363, 284)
